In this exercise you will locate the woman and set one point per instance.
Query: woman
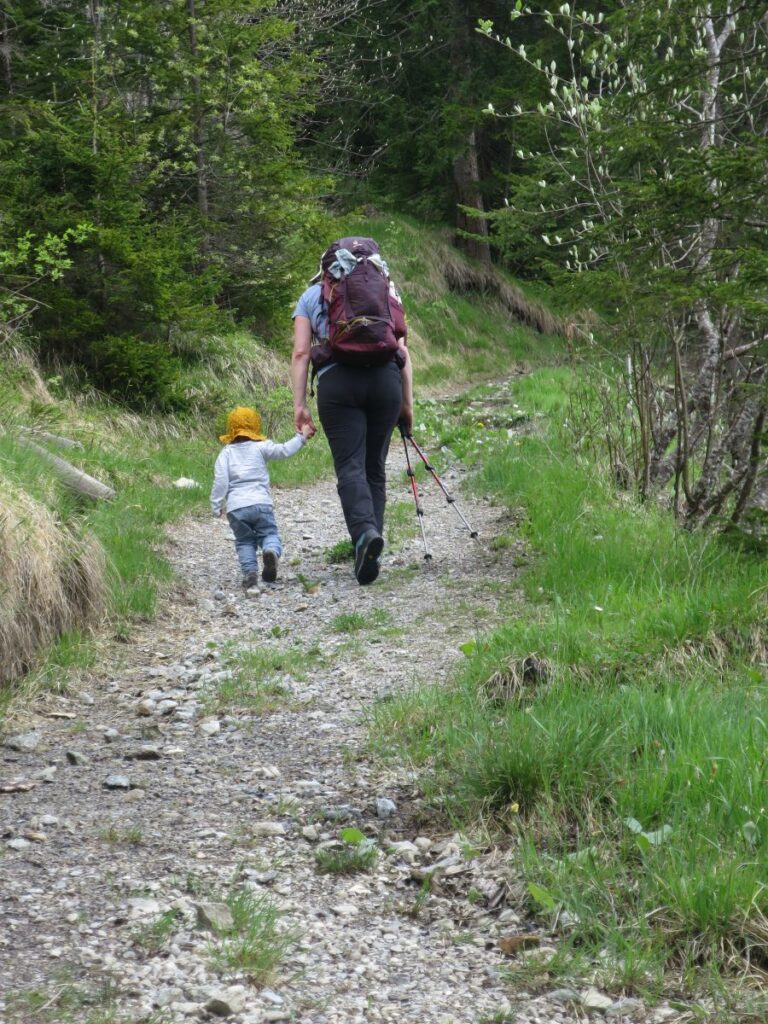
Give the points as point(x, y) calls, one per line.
point(359, 401)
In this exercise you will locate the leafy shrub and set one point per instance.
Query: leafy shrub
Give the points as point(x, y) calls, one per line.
point(139, 373)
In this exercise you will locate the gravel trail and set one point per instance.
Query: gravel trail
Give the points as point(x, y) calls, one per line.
point(219, 752)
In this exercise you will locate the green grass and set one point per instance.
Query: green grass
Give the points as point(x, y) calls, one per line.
point(257, 943)
point(152, 938)
point(340, 552)
point(635, 779)
point(346, 860)
point(400, 523)
point(355, 622)
point(133, 836)
point(355, 853)
point(67, 1001)
point(261, 678)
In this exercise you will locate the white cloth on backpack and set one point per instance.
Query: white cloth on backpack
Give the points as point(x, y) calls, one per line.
point(345, 262)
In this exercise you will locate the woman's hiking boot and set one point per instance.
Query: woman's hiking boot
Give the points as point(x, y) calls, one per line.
point(269, 571)
point(367, 550)
point(251, 579)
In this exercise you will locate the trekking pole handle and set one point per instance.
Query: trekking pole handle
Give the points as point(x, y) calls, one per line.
point(403, 432)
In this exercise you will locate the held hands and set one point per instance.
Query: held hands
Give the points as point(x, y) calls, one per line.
point(303, 420)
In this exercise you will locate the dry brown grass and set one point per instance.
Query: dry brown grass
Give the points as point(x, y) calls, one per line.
point(50, 581)
point(29, 381)
point(462, 276)
point(519, 679)
point(447, 270)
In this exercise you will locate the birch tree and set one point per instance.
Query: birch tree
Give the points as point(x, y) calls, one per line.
point(648, 191)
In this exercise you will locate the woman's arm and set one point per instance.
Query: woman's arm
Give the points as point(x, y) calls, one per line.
point(406, 372)
point(302, 342)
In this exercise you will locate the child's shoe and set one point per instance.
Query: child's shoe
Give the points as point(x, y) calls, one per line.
point(269, 572)
point(251, 579)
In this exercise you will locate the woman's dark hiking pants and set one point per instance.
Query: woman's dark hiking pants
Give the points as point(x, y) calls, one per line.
point(359, 407)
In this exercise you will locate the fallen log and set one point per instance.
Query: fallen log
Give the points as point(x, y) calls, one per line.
point(74, 478)
point(60, 442)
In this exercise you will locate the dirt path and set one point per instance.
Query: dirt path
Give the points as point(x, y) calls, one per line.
point(232, 729)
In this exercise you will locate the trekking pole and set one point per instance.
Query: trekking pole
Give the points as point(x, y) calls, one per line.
point(419, 509)
point(448, 497)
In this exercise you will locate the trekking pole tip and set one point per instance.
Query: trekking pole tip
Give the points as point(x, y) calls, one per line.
point(473, 533)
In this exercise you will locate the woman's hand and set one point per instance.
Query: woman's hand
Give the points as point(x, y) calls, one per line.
point(405, 420)
point(303, 420)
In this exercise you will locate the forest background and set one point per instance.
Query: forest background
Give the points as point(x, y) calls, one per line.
point(171, 172)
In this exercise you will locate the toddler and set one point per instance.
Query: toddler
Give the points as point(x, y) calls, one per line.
point(241, 483)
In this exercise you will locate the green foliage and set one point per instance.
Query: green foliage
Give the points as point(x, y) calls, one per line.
point(342, 551)
point(149, 177)
point(27, 261)
point(141, 374)
point(645, 195)
point(357, 853)
point(414, 97)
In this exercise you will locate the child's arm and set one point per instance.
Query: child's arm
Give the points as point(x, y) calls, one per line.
point(220, 484)
point(272, 450)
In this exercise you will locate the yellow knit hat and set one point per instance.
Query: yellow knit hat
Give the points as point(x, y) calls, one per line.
point(243, 422)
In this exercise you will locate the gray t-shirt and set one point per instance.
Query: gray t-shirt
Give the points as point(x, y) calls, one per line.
point(312, 307)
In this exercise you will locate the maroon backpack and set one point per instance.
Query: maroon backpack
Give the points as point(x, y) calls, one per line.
point(365, 316)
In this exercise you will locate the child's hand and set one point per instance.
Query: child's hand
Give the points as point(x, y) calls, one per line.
point(308, 430)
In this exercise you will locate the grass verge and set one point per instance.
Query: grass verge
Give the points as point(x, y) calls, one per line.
point(631, 766)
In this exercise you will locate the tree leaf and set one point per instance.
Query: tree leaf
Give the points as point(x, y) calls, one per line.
point(352, 836)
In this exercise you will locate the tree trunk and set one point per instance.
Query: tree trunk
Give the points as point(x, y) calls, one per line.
point(202, 180)
point(466, 164)
point(94, 8)
point(466, 176)
point(6, 51)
